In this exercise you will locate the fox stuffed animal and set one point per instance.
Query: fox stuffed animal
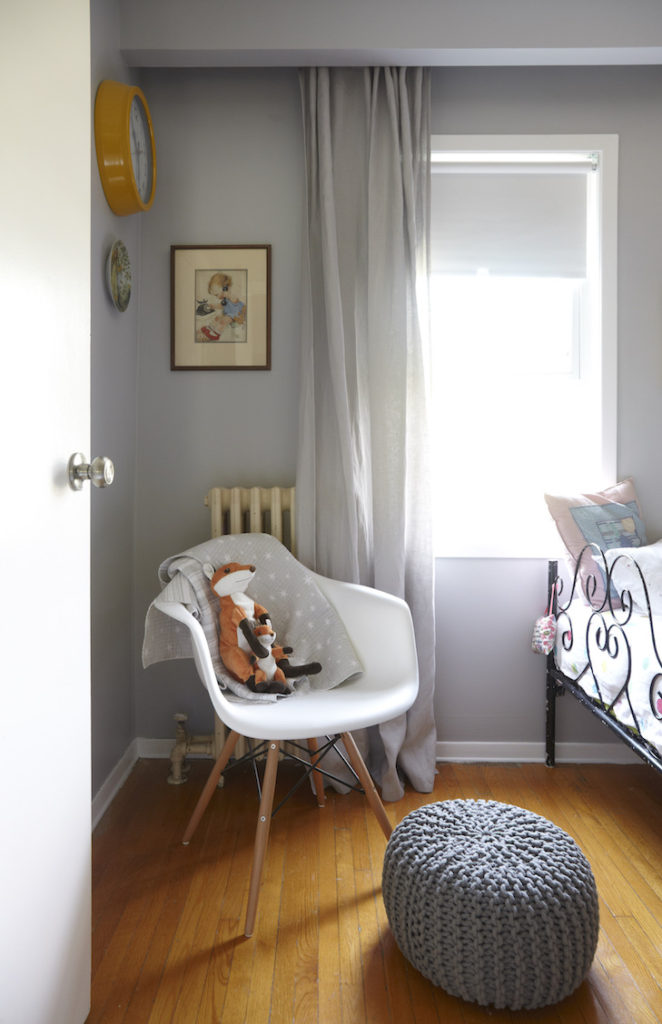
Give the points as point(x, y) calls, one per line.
point(239, 615)
point(276, 665)
point(265, 636)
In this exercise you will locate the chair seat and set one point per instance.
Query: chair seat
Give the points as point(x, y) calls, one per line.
point(386, 688)
point(316, 713)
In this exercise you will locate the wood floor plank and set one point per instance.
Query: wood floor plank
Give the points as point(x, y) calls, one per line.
point(304, 858)
point(372, 923)
point(623, 890)
point(251, 958)
point(216, 857)
point(168, 921)
point(142, 892)
point(362, 826)
point(643, 956)
point(635, 793)
point(117, 868)
point(214, 980)
point(634, 812)
point(375, 984)
point(328, 990)
point(257, 999)
point(393, 964)
point(183, 926)
point(352, 1004)
point(463, 782)
point(291, 933)
point(616, 987)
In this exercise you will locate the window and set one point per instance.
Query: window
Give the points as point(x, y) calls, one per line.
point(523, 314)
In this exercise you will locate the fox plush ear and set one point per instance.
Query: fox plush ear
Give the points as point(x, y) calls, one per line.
point(208, 569)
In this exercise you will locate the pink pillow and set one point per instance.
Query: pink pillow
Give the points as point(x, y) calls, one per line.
point(609, 519)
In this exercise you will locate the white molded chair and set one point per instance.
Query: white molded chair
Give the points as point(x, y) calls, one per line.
point(380, 628)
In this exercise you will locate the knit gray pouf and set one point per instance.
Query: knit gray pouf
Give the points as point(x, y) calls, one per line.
point(491, 902)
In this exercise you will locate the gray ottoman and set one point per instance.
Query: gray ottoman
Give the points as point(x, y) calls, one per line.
point(491, 902)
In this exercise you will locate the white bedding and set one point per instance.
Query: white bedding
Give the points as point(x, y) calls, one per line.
point(611, 651)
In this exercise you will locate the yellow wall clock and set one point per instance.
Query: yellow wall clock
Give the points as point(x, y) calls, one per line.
point(124, 140)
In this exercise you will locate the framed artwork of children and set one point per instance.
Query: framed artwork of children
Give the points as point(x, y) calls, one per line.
point(220, 307)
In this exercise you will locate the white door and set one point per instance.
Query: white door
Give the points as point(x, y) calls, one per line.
point(44, 583)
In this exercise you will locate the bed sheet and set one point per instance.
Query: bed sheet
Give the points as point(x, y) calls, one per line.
point(615, 653)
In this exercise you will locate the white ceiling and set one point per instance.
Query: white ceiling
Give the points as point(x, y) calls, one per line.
point(447, 33)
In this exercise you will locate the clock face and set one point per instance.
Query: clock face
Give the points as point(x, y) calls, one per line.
point(141, 148)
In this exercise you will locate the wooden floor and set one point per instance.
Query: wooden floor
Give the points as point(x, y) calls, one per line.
point(168, 942)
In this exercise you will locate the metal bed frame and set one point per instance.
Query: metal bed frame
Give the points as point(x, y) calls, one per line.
point(608, 624)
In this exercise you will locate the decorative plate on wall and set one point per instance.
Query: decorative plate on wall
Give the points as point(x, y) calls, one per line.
point(118, 275)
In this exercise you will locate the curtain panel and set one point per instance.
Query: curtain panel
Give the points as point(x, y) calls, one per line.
point(363, 476)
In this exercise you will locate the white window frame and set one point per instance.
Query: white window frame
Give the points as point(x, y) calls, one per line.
point(606, 313)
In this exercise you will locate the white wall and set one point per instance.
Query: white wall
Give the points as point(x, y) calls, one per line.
point(244, 183)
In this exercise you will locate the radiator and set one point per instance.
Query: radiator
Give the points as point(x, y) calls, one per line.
point(253, 510)
point(235, 510)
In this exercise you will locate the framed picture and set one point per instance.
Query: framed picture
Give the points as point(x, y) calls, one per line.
point(220, 307)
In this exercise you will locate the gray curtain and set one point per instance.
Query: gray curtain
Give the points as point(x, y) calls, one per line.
point(363, 472)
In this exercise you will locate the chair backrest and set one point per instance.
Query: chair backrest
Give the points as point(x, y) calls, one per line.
point(254, 510)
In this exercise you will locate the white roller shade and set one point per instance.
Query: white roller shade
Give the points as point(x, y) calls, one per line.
point(518, 223)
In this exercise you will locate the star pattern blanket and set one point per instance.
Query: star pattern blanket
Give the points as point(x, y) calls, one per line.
point(301, 615)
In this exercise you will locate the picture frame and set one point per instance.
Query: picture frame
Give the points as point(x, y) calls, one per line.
point(220, 307)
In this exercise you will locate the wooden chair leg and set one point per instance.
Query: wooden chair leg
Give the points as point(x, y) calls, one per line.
point(318, 778)
point(262, 833)
point(371, 793)
point(210, 785)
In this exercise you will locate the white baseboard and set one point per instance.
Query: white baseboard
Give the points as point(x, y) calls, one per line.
point(568, 753)
point(108, 790)
point(154, 748)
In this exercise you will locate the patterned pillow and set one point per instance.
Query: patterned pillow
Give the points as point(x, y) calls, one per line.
point(608, 519)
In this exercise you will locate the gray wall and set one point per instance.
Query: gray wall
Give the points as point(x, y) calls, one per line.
point(113, 396)
point(230, 171)
point(249, 188)
point(229, 157)
point(493, 600)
